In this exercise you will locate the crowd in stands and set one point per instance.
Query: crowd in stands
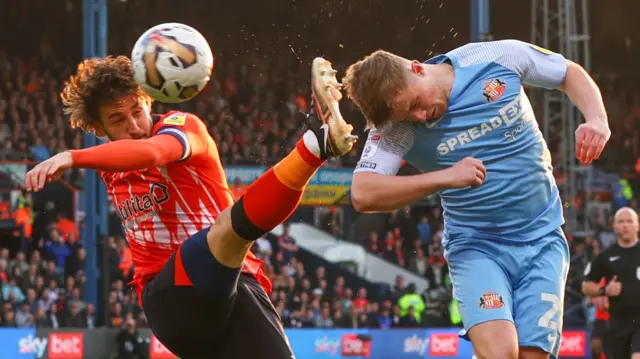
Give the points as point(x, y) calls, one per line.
point(251, 108)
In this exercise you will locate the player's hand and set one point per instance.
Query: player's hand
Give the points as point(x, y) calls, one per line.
point(614, 287)
point(591, 137)
point(47, 171)
point(600, 302)
point(467, 172)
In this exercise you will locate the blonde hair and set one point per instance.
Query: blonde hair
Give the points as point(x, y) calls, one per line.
point(372, 84)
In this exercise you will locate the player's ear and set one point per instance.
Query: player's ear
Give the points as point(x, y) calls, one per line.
point(97, 129)
point(417, 68)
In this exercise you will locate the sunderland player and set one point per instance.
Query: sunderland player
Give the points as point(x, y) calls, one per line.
point(465, 121)
point(203, 292)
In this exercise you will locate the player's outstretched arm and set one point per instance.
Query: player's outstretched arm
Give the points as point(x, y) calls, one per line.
point(117, 156)
point(592, 136)
point(375, 192)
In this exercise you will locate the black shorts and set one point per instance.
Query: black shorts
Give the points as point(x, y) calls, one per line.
point(623, 338)
point(213, 312)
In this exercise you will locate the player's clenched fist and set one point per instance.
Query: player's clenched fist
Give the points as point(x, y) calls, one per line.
point(467, 172)
point(591, 137)
point(47, 171)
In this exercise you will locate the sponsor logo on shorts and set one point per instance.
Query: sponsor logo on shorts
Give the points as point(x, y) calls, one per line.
point(494, 89)
point(573, 344)
point(66, 345)
point(491, 300)
point(356, 345)
point(443, 345)
point(159, 351)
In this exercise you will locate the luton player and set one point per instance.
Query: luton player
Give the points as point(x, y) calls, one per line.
point(202, 290)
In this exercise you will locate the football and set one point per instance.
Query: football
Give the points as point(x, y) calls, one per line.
point(172, 62)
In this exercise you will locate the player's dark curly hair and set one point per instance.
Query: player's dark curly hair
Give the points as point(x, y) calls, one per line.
point(98, 81)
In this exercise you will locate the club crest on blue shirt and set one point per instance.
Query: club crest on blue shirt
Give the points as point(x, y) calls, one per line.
point(494, 89)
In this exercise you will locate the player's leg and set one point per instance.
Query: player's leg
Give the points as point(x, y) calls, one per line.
point(619, 341)
point(635, 343)
point(276, 194)
point(481, 285)
point(538, 298)
point(597, 337)
point(189, 303)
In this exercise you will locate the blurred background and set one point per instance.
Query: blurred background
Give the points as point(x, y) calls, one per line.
point(378, 279)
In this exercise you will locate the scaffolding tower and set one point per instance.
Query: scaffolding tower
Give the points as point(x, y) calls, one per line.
point(562, 26)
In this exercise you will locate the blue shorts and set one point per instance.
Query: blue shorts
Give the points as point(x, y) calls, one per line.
point(522, 283)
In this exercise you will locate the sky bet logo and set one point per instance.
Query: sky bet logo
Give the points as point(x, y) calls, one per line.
point(33, 345)
point(60, 346)
point(416, 345)
point(135, 205)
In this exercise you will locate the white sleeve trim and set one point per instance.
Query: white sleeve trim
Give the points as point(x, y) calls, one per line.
point(385, 149)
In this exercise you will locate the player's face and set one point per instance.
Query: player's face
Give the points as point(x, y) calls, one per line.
point(626, 225)
point(422, 100)
point(126, 118)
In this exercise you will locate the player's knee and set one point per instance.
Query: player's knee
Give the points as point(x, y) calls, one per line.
point(196, 266)
point(496, 351)
point(225, 244)
point(495, 339)
point(533, 353)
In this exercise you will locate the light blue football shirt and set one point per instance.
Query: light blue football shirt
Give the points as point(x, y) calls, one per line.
point(489, 117)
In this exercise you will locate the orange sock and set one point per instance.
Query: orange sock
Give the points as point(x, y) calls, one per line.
point(273, 197)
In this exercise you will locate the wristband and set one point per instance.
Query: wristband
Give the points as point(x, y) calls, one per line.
point(603, 291)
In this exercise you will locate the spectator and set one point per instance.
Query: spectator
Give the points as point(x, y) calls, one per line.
point(74, 316)
point(419, 264)
point(41, 320)
point(373, 243)
point(58, 250)
point(324, 319)
point(424, 231)
point(10, 289)
point(19, 262)
point(29, 278)
point(89, 319)
point(9, 319)
point(361, 300)
point(32, 300)
point(411, 300)
point(116, 317)
point(24, 318)
point(410, 320)
point(263, 249)
point(130, 342)
point(384, 319)
point(287, 243)
point(437, 271)
point(39, 151)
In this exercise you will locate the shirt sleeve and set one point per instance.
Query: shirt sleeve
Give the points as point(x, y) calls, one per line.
point(596, 270)
point(536, 66)
point(384, 150)
point(188, 129)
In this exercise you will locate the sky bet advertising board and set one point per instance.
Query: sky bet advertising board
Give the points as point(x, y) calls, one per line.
point(327, 187)
point(306, 344)
point(402, 344)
